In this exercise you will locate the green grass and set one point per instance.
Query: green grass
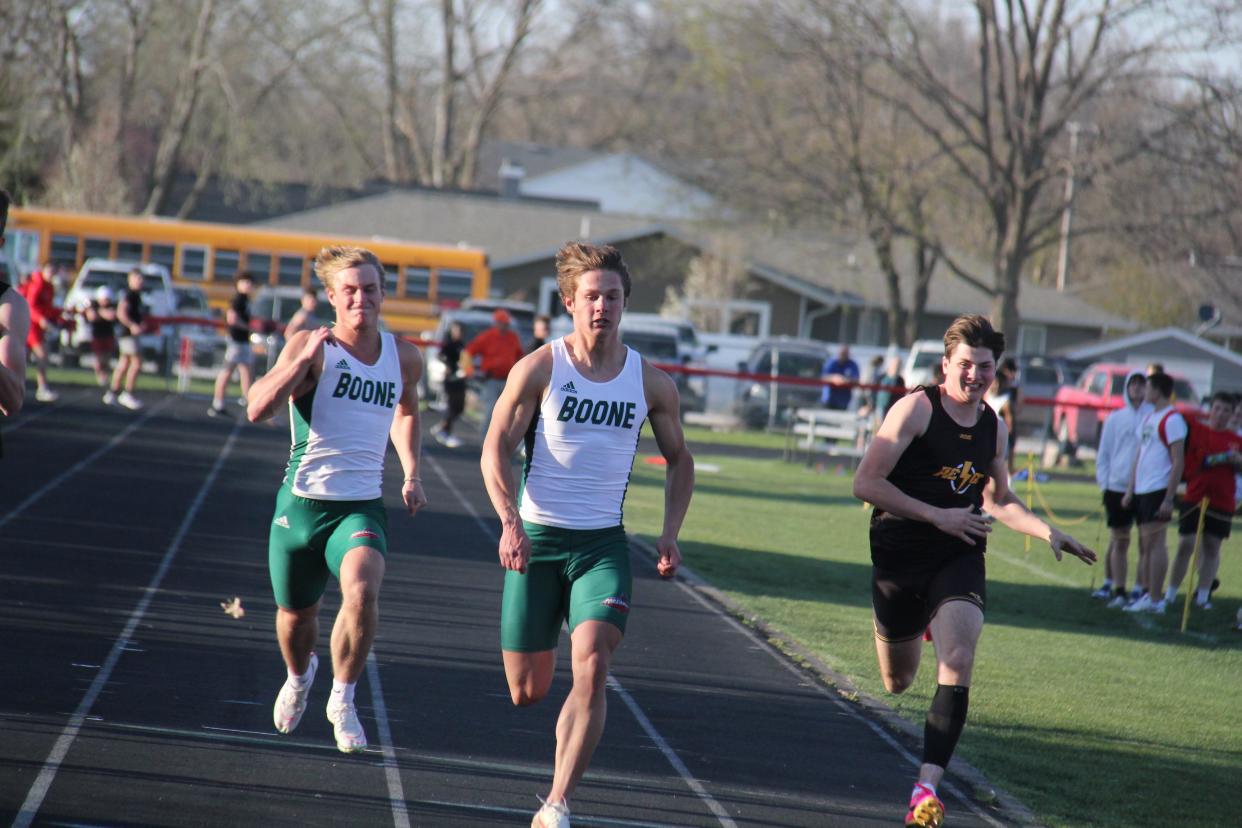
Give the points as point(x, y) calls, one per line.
point(1088, 716)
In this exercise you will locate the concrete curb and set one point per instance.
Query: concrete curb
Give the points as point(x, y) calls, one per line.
point(999, 802)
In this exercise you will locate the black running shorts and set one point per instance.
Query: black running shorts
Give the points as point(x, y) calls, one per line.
point(916, 569)
point(1147, 507)
point(1118, 516)
point(1215, 524)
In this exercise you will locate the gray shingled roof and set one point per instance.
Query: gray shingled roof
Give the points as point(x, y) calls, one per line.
point(535, 159)
point(514, 232)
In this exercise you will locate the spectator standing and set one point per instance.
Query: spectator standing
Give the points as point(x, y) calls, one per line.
point(130, 313)
point(237, 353)
point(1153, 483)
point(304, 317)
point(498, 349)
point(101, 316)
point(1113, 463)
point(839, 369)
point(890, 379)
point(451, 350)
point(1213, 456)
point(540, 335)
point(40, 294)
point(14, 325)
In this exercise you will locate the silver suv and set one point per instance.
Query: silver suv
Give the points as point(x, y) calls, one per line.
point(157, 294)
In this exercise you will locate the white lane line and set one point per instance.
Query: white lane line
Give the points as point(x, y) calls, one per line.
point(824, 691)
point(38, 791)
point(396, 794)
point(671, 755)
point(83, 463)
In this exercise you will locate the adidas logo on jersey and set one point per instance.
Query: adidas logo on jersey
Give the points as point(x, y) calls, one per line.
point(282, 522)
point(568, 388)
point(343, 364)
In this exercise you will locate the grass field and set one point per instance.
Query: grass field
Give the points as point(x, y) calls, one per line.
point(1088, 715)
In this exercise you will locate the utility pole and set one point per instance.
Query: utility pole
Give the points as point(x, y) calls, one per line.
point(1067, 215)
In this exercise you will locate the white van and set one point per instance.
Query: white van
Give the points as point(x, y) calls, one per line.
point(157, 295)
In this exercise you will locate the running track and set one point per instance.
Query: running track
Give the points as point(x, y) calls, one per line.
point(128, 697)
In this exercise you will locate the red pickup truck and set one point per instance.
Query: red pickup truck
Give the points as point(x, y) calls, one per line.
point(1080, 409)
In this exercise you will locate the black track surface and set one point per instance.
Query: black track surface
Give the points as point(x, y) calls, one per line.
point(128, 697)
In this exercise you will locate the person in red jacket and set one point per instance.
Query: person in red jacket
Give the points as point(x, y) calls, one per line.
point(498, 349)
point(40, 294)
point(1213, 456)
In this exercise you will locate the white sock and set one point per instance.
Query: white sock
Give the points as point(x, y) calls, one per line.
point(1202, 595)
point(918, 785)
point(342, 693)
point(301, 681)
point(1170, 594)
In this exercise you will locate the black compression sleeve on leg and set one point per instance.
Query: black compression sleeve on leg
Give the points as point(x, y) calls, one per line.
point(945, 719)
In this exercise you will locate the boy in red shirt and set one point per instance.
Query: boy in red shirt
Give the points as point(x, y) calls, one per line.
point(40, 294)
point(1213, 454)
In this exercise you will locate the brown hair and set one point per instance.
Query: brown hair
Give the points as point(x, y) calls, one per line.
point(577, 258)
point(5, 200)
point(335, 258)
point(977, 332)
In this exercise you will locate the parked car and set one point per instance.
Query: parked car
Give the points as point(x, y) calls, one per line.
point(1039, 378)
point(689, 349)
point(1080, 409)
point(660, 344)
point(202, 330)
point(523, 313)
point(802, 358)
point(157, 294)
point(271, 308)
point(922, 357)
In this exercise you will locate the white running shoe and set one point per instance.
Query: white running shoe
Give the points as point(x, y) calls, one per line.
point(1158, 607)
point(440, 436)
point(452, 442)
point(1119, 602)
point(109, 398)
point(350, 737)
point(551, 815)
point(1143, 604)
point(291, 702)
point(46, 395)
point(129, 401)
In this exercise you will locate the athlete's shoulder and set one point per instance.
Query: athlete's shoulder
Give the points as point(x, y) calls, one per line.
point(533, 372)
point(658, 386)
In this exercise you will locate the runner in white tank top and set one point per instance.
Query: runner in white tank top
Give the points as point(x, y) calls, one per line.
point(579, 402)
point(350, 388)
point(581, 450)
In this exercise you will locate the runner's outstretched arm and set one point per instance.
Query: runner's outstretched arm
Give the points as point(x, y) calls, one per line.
point(511, 416)
point(406, 431)
point(296, 371)
point(664, 411)
point(1000, 502)
point(14, 326)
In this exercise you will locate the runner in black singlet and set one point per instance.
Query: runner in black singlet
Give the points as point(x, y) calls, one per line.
point(937, 475)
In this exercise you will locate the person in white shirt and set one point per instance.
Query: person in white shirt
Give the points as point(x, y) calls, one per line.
point(1113, 464)
point(1153, 482)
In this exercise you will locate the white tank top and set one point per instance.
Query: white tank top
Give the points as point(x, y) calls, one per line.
point(340, 429)
point(580, 448)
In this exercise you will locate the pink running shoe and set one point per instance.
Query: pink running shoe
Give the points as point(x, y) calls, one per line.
point(926, 809)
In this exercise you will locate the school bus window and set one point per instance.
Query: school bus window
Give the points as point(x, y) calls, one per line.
point(64, 249)
point(417, 283)
point(455, 285)
point(193, 262)
point(289, 270)
point(163, 254)
point(98, 249)
point(392, 273)
point(259, 265)
point(225, 264)
point(130, 251)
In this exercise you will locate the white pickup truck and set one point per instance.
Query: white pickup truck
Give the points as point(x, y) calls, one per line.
point(157, 295)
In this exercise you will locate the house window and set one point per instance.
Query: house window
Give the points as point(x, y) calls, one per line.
point(1032, 339)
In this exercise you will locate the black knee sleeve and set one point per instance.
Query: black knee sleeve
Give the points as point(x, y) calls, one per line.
point(945, 720)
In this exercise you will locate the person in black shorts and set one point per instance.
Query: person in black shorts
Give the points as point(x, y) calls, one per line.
point(131, 316)
point(937, 475)
point(14, 327)
point(454, 385)
point(237, 353)
point(1114, 460)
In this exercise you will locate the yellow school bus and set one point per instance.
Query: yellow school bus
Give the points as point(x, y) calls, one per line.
point(420, 279)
